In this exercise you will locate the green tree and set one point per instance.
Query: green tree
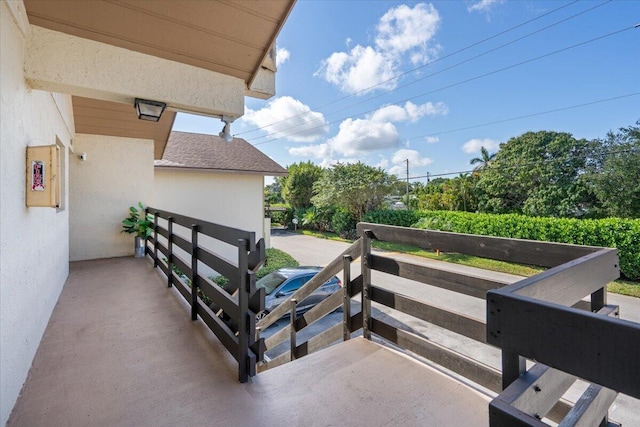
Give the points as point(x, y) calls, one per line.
point(297, 187)
point(273, 192)
point(356, 188)
point(483, 161)
point(538, 174)
point(616, 174)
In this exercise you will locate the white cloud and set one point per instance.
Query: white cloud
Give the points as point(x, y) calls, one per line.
point(473, 145)
point(360, 136)
point(483, 5)
point(319, 151)
point(286, 117)
point(400, 157)
point(383, 163)
point(398, 170)
point(282, 55)
point(401, 31)
point(410, 112)
point(415, 158)
point(357, 137)
point(431, 139)
point(357, 70)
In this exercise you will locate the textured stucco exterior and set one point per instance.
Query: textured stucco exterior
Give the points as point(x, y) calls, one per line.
point(34, 242)
point(118, 173)
point(231, 199)
point(58, 62)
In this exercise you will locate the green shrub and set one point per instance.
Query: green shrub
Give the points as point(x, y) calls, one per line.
point(623, 234)
point(392, 217)
point(343, 222)
point(276, 259)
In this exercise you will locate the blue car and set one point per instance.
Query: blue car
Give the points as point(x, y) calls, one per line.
point(280, 285)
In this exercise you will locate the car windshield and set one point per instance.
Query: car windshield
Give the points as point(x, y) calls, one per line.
point(270, 282)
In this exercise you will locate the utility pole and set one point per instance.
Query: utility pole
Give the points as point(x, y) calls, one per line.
point(407, 180)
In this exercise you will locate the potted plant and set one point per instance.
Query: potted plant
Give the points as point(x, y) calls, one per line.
point(139, 224)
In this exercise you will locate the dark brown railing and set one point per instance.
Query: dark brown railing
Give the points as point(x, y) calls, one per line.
point(534, 319)
point(574, 272)
point(176, 250)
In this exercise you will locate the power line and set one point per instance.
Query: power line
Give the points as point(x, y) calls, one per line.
point(532, 163)
point(420, 67)
point(432, 74)
point(464, 81)
point(585, 104)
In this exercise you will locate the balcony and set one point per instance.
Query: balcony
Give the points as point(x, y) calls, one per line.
point(121, 348)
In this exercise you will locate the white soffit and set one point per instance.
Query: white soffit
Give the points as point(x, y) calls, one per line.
point(233, 38)
point(59, 62)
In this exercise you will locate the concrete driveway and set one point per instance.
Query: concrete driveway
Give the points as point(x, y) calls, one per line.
point(314, 251)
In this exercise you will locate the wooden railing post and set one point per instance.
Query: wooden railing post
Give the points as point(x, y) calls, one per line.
point(366, 284)
point(243, 305)
point(155, 241)
point(194, 272)
point(170, 253)
point(293, 318)
point(598, 299)
point(513, 365)
point(346, 299)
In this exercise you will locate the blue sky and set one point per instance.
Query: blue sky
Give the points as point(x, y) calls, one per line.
point(337, 99)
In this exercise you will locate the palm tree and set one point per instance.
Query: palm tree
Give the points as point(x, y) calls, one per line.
point(483, 161)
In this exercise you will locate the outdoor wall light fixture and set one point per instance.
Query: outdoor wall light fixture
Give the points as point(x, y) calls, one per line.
point(149, 110)
point(226, 130)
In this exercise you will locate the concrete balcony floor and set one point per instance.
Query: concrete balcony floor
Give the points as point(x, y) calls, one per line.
point(120, 350)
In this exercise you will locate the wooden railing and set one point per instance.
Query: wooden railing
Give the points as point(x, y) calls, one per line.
point(534, 319)
point(351, 287)
point(543, 317)
point(176, 249)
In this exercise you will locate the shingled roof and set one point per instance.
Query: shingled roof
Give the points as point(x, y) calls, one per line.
point(208, 152)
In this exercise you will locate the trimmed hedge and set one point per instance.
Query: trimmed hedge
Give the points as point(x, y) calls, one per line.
point(623, 234)
point(393, 217)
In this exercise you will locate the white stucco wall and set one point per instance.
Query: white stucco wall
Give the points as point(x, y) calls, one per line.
point(34, 242)
point(231, 199)
point(118, 173)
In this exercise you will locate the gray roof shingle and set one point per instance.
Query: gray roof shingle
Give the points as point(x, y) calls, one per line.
point(199, 151)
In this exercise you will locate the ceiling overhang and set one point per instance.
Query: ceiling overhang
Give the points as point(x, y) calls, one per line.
point(205, 57)
point(234, 38)
point(97, 117)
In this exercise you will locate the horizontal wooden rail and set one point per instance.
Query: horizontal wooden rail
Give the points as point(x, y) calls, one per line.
point(182, 266)
point(221, 299)
point(544, 254)
point(463, 365)
point(219, 264)
point(181, 286)
point(591, 408)
point(569, 283)
point(539, 390)
point(182, 243)
point(325, 307)
point(599, 349)
point(455, 322)
point(474, 286)
point(320, 341)
point(223, 233)
point(220, 329)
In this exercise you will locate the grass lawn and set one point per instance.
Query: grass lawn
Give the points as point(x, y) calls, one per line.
point(622, 287)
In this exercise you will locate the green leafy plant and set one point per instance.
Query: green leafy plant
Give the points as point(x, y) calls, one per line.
point(137, 222)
